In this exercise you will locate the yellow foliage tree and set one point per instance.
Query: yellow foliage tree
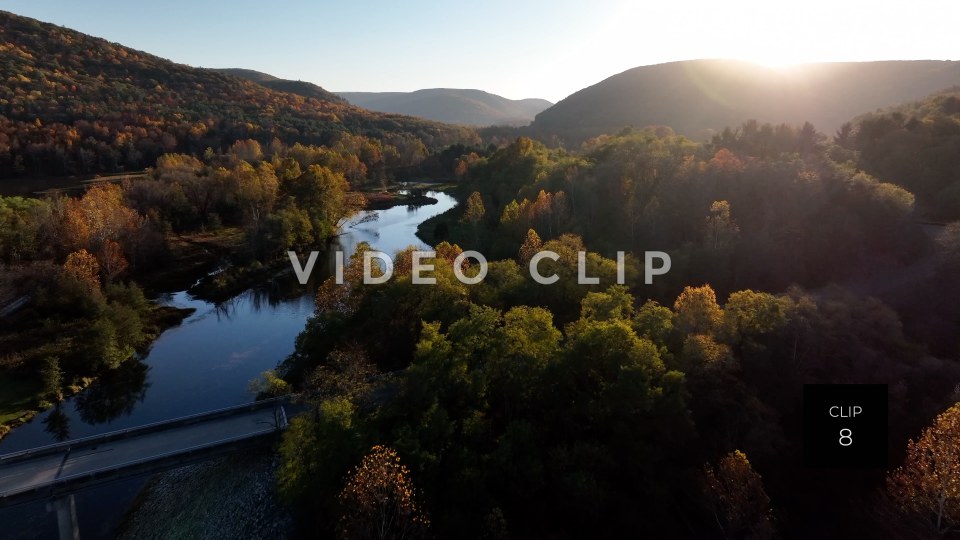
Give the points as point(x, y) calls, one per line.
point(697, 310)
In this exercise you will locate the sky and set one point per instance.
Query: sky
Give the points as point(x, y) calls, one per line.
point(514, 48)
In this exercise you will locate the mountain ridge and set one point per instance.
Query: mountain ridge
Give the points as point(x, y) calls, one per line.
point(699, 97)
point(300, 88)
point(77, 104)
point(464, 106)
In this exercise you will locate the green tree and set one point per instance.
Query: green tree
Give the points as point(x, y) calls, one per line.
point(317, 451)
point(52, 377)
point(749, 313)
point(616, 303)
point(323, 194)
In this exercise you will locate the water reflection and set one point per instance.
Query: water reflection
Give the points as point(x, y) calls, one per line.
point(57, 423)
point(205, 363)
point(115, 394)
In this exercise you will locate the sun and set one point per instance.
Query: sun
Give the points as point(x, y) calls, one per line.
point(774, 59)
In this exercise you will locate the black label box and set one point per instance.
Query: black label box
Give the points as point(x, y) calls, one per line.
point(845, 425)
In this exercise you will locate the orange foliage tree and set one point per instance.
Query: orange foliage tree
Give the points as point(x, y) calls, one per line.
point(83, 266)
point(378, 500)
point(928, 484)
point(739, 502)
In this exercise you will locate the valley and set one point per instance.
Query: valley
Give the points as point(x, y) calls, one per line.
point(612, 316)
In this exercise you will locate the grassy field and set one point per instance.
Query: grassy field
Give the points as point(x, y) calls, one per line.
point(18, 398)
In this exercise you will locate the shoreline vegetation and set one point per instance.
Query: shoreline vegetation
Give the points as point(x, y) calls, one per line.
point(232, 277)
point(22, 399)
point(202, 263)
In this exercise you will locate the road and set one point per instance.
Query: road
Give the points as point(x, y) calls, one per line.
point(19, 475)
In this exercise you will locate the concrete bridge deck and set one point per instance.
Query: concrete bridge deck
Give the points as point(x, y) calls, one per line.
point(59, 469)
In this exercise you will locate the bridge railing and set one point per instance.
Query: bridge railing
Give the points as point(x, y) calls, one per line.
point(57, 448)
point(117, 471)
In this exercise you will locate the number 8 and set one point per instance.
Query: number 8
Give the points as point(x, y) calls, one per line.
point(846, 439)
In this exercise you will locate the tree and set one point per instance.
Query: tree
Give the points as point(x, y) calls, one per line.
point(112, 261)
point(654, 322)
point(52, 378)
point(531, 245)
point(474, 211)
point(98, 216)
point(323, 194)
point(317, 450)
point(739, 503)
point(697, 310)
point(749, 313)
point(268, 384)
point(721, 229)
point(83, 266)
point(701, 351)
point(616, 303)
point(928, 484)
point(256, 192)
point(378, 500)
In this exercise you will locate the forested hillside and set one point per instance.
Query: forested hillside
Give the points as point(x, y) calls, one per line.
point(670, 410)
point(916, 145)
point(698, 98)
point(74, 104)
point(301, 88)
point(456, 106)
point(507, 408)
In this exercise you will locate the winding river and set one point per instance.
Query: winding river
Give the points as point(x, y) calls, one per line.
point(205, 363)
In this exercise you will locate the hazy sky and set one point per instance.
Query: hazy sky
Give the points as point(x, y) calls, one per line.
point(515, 48)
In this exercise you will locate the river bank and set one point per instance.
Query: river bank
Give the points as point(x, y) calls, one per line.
point(228, 498)
point(22, 398)
point(203, 364)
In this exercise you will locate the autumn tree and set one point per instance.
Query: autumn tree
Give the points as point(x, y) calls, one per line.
point(697, 310)
point(83, 266)
point(247, 150)
point(379, 501)
point(928, 484)
point(474, 212)
point(720, 229)
point(111, 259)
point(531, 245)
point(737, 498)
point(256, 192)
point(269, 384)
point(100, 215)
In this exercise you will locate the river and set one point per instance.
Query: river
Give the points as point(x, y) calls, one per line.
point(203, 364)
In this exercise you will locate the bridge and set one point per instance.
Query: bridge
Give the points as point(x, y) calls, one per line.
point(54, 472)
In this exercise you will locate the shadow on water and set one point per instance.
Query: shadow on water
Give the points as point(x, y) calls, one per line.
point(57, 423)
point(114, 394)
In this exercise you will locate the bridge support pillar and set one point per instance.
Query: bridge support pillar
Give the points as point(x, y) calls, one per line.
point(66, 509)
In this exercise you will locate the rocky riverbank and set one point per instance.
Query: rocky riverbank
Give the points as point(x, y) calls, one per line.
point(229, 498)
